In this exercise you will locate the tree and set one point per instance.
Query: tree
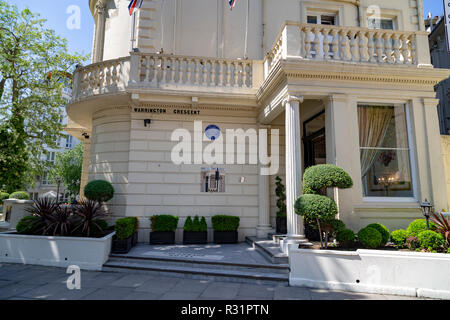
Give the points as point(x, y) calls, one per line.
point(68, 166)
point(34, 68)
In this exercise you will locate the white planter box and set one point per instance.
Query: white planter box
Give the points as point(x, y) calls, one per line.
point(87, 253)
point(373, 271)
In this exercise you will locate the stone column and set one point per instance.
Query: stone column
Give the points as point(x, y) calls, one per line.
point(100, 13)
point(295, 228)
point(264, 226)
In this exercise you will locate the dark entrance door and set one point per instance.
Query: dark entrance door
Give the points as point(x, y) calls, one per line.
point(314, 142)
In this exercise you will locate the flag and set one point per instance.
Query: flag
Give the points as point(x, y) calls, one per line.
point(133, 4)
point(232, 4)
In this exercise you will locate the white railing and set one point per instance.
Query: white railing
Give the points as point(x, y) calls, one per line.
point(344, 44)
point(156, 71)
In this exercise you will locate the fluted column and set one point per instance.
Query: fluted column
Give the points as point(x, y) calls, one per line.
point(295, 228)
point(100, 13)
point(264, 227)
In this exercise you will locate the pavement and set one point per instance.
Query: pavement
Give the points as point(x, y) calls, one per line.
point(25, 282)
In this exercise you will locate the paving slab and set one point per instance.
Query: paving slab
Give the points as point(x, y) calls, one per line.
point(132, 280)
point(292, 293)
point(158, 285)
point(109, 293)
point(189, 285)
point(221, 290)
point(15, 289)
point(255, 291)
point(174, 295)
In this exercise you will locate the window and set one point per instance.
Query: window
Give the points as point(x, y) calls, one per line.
point(387, 24)
point(69, 142)
point(384, 151)
point(51, 156)
point(322, 19)
point(45, 180)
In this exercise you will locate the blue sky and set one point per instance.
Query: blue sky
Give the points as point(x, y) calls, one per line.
point(55, 11)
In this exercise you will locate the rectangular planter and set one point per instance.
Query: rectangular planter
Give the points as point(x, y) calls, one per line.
point(87, 253)
point(372, 271)
point(192, 237)
point(225, 237)
point(122, 246)
point(134, 239)
point(162, 237)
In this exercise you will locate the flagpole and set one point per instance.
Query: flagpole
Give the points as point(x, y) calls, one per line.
point(133, 31)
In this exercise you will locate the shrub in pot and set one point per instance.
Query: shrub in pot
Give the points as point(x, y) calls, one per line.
point(20, 195)
point(163, 229)
point(225, 228)
point(346, 238)
point(370, 237)
point(281, 220)
point(399, 237)
point(125, 229)
point(195, 231)
point(136, 229)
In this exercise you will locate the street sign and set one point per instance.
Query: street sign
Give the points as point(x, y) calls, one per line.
point(447, 22)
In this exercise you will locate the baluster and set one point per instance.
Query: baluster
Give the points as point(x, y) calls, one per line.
point(246, 74)
point(317, 51)
point(308, 43)
point(236, 73)
point(159, 69)
point(197, 71)
point(363, 49)
point(335, 44)
point(213, 73)
point(371, 46)
point(412, 39)
point(188, 71)
point(396, 48)
point(182, 69)
point(345, 46)
point(204, 64)
point(220, 74)
point(388, 47)
point(326, 44)
point(228, 75)
point(354, 50)
point(172, 70)
point(148, 67)
point(405, 49)
point(379, 46)
point(154, 68)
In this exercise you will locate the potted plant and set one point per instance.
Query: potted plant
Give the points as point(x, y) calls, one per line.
point(163, 229)
point(195, 231)
point(225, 229)
point(123, 240)
point(134, 239)
point(281, 220)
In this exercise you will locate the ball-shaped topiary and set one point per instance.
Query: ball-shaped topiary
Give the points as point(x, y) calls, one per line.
point(313, 206)
point(20, 195)
point(383, 230)
point(27, 225)
point(370, 237)
point(419, 225)
point(430, 240)
point(324, 176)
point(99, 190)
point(345, 237)
point(398, 237)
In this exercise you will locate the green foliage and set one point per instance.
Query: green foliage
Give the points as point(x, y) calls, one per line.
point(164, 223)
point(313, 206)
point(430, 240)
point(370, 237)
point(419, 225)
point(125, 228)
point(345, 237)
point(398, 237)
point(280, 191)
point(99, 190)
point(21, 195)
point(3, 196)
point(324, 176)
point(383, 230)
point(35, 66)
point(195, 225)
point(68, 165)
point(27, 225)
point(225, 223)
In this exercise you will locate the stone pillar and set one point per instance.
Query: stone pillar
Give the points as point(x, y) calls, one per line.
point(264, 226)
point(85, 167)
point(295, 228)
point(100, 13)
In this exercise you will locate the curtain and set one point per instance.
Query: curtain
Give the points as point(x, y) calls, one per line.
point(373, 125)
point(401, 135)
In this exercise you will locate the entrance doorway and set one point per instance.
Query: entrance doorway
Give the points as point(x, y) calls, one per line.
point(314, 142)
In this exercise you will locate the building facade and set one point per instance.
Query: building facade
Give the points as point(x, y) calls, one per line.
point(344, 82)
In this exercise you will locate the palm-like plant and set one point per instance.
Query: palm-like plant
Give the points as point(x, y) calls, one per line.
point(442, 225)
point(60, 221)
point(88, 212)
point(43, 208)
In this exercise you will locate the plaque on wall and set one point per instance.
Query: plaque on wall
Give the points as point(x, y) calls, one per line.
point(212, 180)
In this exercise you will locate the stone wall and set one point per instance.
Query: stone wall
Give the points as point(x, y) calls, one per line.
point(446, 154)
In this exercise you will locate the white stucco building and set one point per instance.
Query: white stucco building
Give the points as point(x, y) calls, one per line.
point(345, 82)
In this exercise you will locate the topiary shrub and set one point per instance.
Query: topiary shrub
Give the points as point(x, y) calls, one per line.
point(280, 191)
point(324, 176)
point(225, 223)
point(20, 195)
point(27, 225)
point(125, 228)
point(399, 237)
point(430, 240)
point(163, 223)
point(195, 225)
point(370, 237)
point(99, 190)
point(188, 224)
point(345, 237)
point(385, 233)
point(3, 196)
point(419, 225)
point(203, 225)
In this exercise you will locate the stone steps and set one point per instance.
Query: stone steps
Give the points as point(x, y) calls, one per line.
point(203, 270)
point(269, 249)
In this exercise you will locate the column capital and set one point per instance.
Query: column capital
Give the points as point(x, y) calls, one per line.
point(100, 6)
point(292, 98)
point(430, 102)
point(338, 97)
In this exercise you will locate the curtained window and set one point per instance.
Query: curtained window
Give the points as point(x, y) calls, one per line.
point(384, 151)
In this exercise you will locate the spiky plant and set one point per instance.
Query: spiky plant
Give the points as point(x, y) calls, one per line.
point(60, 222)
point(442, 225)
point(43, 208)
point(89, 213)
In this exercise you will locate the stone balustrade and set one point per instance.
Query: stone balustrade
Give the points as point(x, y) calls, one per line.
point(347, 44)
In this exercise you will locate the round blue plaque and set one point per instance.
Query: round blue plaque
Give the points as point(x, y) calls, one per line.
point(212, 132)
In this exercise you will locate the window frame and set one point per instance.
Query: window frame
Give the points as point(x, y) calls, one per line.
point(412, 159)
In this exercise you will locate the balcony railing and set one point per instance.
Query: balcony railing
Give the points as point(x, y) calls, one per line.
point(167, 72)
point(347, 44)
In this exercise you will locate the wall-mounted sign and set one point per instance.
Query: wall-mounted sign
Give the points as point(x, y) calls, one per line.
point(212, 132)
point(213, 180)
point(447, 22)
point(158, 110)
